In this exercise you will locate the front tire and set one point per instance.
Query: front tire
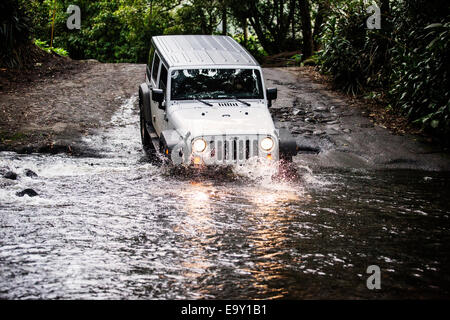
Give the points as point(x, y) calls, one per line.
point(286, 157)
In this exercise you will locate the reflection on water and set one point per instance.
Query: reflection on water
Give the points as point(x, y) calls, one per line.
point(118, 226)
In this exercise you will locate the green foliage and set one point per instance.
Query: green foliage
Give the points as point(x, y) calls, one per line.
point(420, 78)
point(297, 59)
point(195, 17)
point(111, 31)
point(44, 46)
point(270, 21)
point(348, 54)
point(252, 45)
point(14, 32)
point(311, 61)
point(408, 58)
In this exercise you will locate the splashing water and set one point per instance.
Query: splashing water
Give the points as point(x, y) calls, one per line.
point(114, 225)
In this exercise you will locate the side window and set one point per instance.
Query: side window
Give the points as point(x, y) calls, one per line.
point(150, 56)
point(155, 67)
point(163, 77)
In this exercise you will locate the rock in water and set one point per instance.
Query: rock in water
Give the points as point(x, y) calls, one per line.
point(320, 108)
point(30, 173)
point(28, 192)
point(10, 175)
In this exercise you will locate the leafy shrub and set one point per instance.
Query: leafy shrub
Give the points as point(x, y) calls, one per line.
point(111, 31)
point(253, 46)
point(408, 58)
point(44, 46)
point(420, 78)
point(344, 55)
point(14, 33)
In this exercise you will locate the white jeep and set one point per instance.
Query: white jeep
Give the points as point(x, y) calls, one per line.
point(204, 102)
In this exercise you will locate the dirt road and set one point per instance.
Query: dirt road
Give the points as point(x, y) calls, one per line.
point(51, 116)
point(345, 135)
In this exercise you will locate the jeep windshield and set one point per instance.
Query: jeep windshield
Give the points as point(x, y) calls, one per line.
point(191, 84)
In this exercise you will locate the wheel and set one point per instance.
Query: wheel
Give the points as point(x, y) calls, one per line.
point(145, 137)
point(286, 157)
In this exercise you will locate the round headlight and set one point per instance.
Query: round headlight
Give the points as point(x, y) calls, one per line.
point(199, 145)
point(267, 144)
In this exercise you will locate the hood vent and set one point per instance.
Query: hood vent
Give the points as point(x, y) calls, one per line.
point(228, 104)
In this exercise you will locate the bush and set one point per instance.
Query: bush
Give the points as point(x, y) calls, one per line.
point(420, 78)
point(345, 54)
point(111, 31)
point(408, 59)
point(253, 46)
point(14, 33)
point(44, 46)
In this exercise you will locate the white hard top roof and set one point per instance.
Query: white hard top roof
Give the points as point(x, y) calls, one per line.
point(202, 50)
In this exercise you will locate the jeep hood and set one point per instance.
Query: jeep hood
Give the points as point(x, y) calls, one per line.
point(222, 120)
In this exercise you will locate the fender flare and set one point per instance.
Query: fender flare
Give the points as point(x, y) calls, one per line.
point(173, 146)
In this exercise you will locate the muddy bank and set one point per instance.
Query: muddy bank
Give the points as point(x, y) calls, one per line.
point(342, 129)
point(52, 113)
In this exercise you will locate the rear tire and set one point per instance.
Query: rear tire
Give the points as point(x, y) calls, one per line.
point(145, 137)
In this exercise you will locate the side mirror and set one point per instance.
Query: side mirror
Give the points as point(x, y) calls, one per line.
point(158, 96)
point(271, 94)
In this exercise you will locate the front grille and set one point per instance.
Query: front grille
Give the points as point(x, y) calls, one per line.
point(224, 149)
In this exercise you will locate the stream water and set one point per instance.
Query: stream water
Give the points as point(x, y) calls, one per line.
point(117, 226)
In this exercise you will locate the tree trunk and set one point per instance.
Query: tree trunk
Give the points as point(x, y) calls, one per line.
point(224, 21)
point(245, 27)
point(293, 20)
point(256, 21)
point(322, 11)
point(305, 17)
point(268, 45)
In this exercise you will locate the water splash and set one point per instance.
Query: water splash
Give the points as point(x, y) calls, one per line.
point(118, 226)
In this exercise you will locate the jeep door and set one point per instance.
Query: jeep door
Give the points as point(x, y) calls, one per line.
point(158, 81)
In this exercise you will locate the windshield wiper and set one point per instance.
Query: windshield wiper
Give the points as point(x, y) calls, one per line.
point(243, 102)
point(207, 103)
